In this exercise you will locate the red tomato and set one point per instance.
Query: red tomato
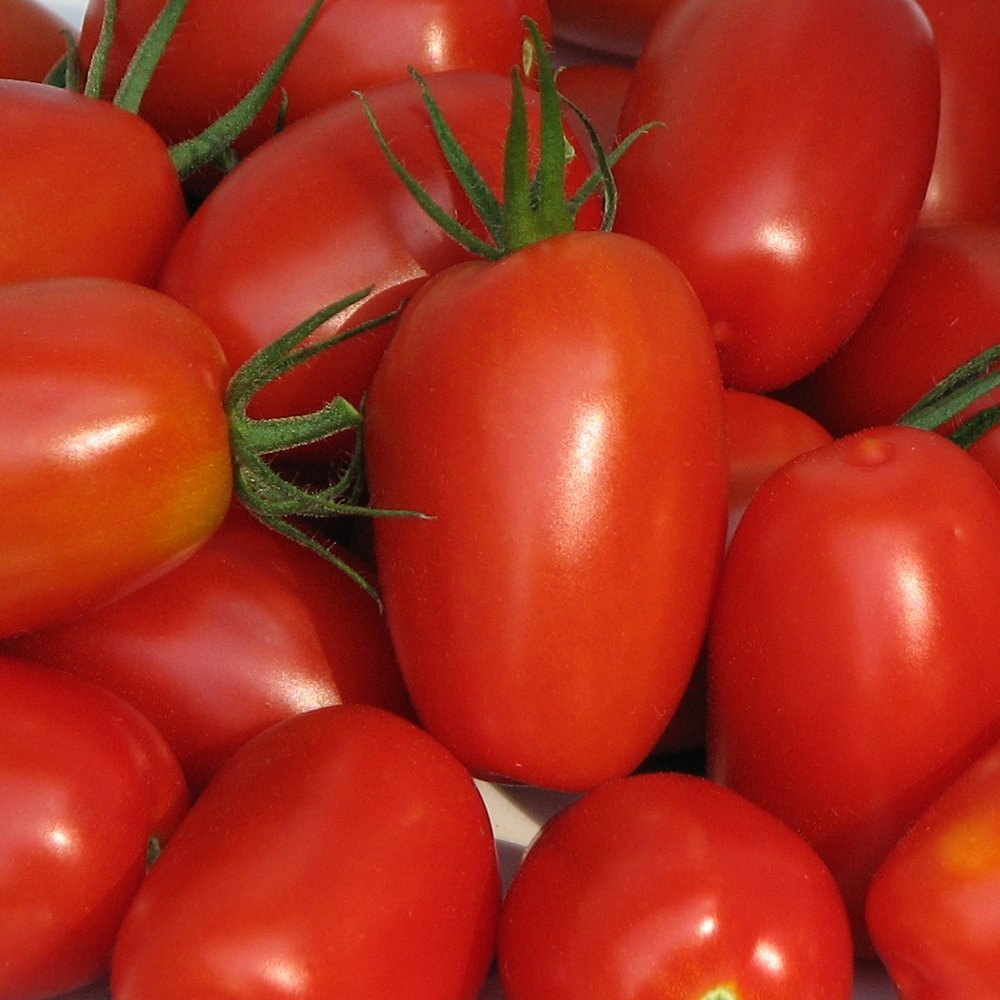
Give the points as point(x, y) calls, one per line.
point(598, 89)
point(251, 629)
point(798, 142)
point(853, 663)
point(558, 414)
point(326, 216)
point(666, 884)
point(341, 853)
point(939, 309)
point(619, 27)
point(85, 782)
point(32, 40)
point(963, 185)
point(115, 458)
point(933, 908)
point(221, 48)
point(89, 188)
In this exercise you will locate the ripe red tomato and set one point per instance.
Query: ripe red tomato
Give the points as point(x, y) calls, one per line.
point(221, 48)
point(326, 216)
point(251, 629)
point(933, 907)
point(89, 188)
point(558, 415)
point(666, 884)
point(85, 782)
point(618, 27)
point(853, 664)
point(341, 853)
point(798, 143)
point(115, 459)
point(963, 185)
point(32, 40)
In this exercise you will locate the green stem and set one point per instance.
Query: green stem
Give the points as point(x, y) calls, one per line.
point(147, 55)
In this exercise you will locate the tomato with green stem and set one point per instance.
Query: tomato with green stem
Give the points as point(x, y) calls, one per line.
point(86, 782)
point(33, 40)
point(555, 412)
point(932, 907)
point(854, 617)
point(799, 142)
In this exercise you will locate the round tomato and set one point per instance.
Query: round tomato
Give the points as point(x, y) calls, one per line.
point(340, 853)
point(617, 27)
point(933, 907)
point(249, 630)
point(963, 185)
point(221, 48)
point(557, 415)
point(114, 461)
point(89, 188)
point(853, 665)
point(798, 141)
point(326, 215)
point(85, 782)
point(33, 39)
point(665, 884)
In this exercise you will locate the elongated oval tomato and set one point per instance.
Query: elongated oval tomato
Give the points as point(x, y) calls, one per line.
point(114, 460)
point(798, 141)
point(89, 188)
point(327, 216)
point(668, 885)
point(352, 45)
point(248, 631)
point(934, 902)
point(85, 782)
point(557, 415)
point(853, 663)
point(341, 853)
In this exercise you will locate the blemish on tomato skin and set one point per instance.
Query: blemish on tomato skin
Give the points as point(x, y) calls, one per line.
point(870, 450)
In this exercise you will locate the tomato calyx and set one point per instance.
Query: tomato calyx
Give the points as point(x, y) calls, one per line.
point(213, 144)
point(276, 501)
point(535, 204)
point(946, 401)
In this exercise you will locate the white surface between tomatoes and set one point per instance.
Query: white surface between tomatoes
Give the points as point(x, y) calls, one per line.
point(516, 816)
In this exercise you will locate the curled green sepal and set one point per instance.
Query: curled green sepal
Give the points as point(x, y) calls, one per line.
point(535, 205)
point(948, 398)
point(274, 500)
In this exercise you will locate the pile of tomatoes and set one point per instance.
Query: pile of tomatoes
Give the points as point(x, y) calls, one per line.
point(438, 431)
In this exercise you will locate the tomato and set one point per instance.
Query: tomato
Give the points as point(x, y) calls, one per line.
point(115, 458)
point(664, 884)
point(617, 27)
point(963, 184)
point(249, 630)
point(326, 215)
point(340, 853)
point(798, 141)
point(221, 48)
point(853, 665)
point(932, 907)
point(85, 782)
point(568, 449)
point(32, 41)
point(598, 89)
point(89, 188)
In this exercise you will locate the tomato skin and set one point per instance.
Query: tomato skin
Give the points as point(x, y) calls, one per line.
point(616, 27)
point(32, 40)
point(786, 204)
point(598, 89)
point(853, 668)
point(932, 906)
point(962, 185)
point(115, 463)
point(316, 190)
point(251, 629)
point(89, 189)
point(341, 853)
point(550, 438)
point(85, 781)
point(663, 884)
point(208, 67)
